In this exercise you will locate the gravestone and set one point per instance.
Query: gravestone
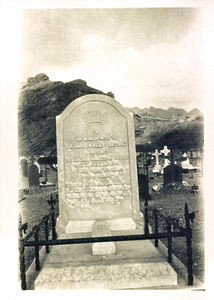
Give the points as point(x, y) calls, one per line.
point(186, 165)
point(23, 179)
point(172, 173)
point(165, 151)
point(24, 167)
point(97, 174)
point(157, 167)
point(98, 196)
point(33, 175)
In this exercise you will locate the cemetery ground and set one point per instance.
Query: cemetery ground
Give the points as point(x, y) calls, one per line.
point(170, 202)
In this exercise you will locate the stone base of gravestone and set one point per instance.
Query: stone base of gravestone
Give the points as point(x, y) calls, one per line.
point(156, 169)
point(172, 175)
point(86, 226)
point(101, 228)
point(136, 264)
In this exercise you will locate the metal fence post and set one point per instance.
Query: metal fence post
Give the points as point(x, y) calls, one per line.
point(169, 242)
point(146, 225)
point(46, 234)
point(188, 217)
point(36, 238)
point(156, 227)
point(22, 227)
point(51, 203)
point(22, 264)
point(54, 236)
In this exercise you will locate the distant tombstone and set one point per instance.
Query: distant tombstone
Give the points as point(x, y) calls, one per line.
point(157, 167)
point(33, 175)
point(186, 165)
point(173, 172)
point(24, 167)
point(172, 175)
point(97, 173)
point(166, 152)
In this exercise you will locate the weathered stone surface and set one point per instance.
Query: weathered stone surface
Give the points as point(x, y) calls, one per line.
point(121, 224)
point(136, 264)
point(101, 228)
point(79, 226)
point(96, 156)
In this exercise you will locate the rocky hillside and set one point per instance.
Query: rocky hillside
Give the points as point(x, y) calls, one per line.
point(40, 101)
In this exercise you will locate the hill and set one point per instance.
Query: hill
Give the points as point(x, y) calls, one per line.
point(176, 128)
point(170, 113)
point(41, 100)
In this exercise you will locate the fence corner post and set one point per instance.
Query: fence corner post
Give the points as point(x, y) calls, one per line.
point(169, 241)
point(22, 227)
point(51, 203)
point(146, 220)
point(188, 230)
point(156, 227)
point(36, 238)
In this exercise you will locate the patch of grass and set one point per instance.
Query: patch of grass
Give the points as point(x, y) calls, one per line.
point(171, 202)
point(31, 210)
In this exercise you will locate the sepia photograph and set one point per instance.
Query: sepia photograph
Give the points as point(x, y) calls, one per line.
point(110, 120)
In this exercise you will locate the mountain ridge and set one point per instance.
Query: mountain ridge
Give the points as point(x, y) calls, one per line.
point(171, 112)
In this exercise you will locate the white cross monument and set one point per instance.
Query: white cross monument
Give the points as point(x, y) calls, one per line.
point(165, 151)
point(157, 167)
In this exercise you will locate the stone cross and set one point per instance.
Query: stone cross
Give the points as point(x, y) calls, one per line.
point(165, 151)
point(157, 166)
point(157, 154)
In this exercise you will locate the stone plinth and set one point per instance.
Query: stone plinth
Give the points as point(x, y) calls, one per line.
point(136, 264)
point(97, 174)
point(101, 228)
point(156, 169)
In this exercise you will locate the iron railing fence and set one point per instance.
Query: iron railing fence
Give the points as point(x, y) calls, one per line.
point(173, 230)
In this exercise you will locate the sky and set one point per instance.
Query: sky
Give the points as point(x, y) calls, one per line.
point(145, 56)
